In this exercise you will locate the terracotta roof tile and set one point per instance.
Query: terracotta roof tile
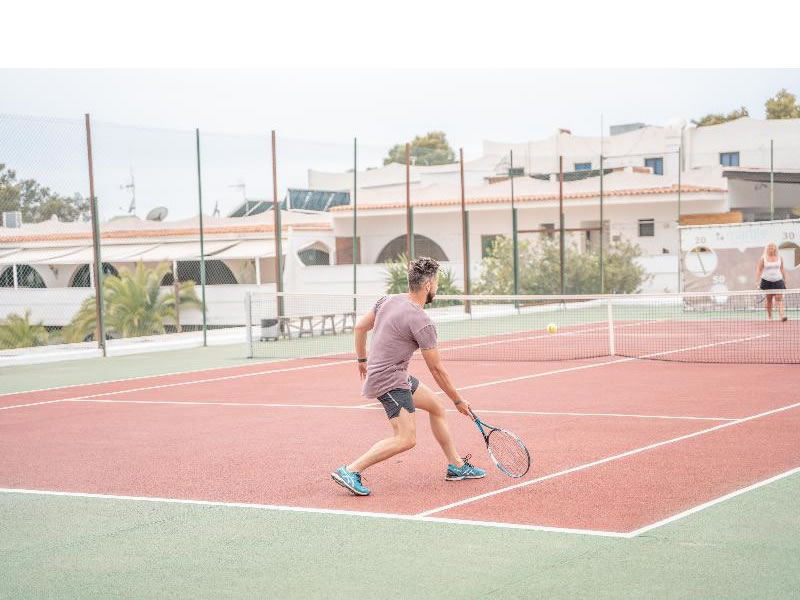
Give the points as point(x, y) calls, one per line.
point(158, 233)
point(536, 198)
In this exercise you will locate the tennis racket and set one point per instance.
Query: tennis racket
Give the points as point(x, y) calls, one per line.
point(505, 449)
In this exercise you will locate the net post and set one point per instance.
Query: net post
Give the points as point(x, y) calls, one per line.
point(771, 180)
point(611, 349)
point(409, 216)
point(464, 232)
point(355, 222)
point(248, 322)
point(202, 241)
point(277, 228)
point(561, 219)
point(100, 331)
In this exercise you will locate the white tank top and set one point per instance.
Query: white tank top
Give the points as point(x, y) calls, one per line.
point(772, 270)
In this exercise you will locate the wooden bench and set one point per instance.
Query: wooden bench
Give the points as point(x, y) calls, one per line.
point(306, 326)
point(328, 324)
point(348, 322)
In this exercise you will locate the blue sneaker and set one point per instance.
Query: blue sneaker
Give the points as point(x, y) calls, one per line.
point(350, 480)
point(466, 471)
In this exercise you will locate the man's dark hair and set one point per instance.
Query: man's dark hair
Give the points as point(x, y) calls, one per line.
point(420, 271)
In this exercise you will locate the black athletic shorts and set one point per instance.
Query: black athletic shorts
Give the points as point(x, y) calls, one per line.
point(773, 285)
point(394, 400)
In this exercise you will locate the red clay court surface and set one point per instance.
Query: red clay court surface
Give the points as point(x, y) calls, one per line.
point(617, 445)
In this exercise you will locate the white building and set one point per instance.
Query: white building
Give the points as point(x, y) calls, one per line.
point(720, 169)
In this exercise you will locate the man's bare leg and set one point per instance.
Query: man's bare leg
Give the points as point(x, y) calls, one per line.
point(404, 438)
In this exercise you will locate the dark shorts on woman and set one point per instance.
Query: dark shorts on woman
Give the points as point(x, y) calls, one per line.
point(773, 285)
point(394, 400)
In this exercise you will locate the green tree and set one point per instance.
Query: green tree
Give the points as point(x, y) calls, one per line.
point(540, 271)
point(431, 149)
point(783, 106)
point(135, 305)
point(19, 332)
point(36, 202)
point(717, 118)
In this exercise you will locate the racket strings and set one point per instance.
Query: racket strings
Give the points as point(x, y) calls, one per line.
point(509, 453)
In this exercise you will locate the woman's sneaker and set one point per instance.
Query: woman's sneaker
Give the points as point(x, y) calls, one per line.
point(465, 471)
point(350, 480)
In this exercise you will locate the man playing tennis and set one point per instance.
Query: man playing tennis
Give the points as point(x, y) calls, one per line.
point(401, 326)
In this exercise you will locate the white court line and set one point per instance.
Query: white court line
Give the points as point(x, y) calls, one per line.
point(608, 362)
point(548, 336)
point(209, 380)
point(202, 403)
point(137, 377)
point(322, 511)
point(374, 405)
point(579, 414)
point(705, 505)
point(469, 387)
point(604, 460)
point(281, 360)
point(31, 404)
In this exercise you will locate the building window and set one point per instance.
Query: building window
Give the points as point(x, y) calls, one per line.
point(217, 273)
point(583, 166)
point(647, 227)
point(81, 276)
point(657, 164)
point(487, 245)
point(548, 229)
point(27, 277)
point(729, 159)
point(314, 256)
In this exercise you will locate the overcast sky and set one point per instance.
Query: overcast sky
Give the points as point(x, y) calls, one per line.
point(388, 106)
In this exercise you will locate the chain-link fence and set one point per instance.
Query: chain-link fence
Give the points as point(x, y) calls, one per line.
point(184, 224)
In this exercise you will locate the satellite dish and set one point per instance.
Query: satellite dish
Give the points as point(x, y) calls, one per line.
point(159, 213)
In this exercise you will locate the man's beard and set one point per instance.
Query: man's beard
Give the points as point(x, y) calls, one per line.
point(430, 297)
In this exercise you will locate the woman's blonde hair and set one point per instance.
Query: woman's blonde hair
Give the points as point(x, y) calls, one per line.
point(766, 248)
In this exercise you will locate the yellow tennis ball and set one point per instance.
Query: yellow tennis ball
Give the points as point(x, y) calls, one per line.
point(552, 328)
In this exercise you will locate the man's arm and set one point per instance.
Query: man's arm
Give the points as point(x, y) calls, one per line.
point(363, 327)
point(442, 378)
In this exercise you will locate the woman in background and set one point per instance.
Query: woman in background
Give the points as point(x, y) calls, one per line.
point(770, 276)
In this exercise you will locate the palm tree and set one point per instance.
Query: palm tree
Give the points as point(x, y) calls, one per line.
point(397, 281)
point(397, 275)
point(19, 332)
point(134, 305)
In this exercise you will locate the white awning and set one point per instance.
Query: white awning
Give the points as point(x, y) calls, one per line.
point(249, 249)
point(28, 256)
point(109, 254)
point(182, 251)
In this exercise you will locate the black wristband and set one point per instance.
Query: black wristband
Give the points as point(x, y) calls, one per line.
point(361, 360)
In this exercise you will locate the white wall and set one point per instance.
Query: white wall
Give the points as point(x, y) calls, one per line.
point(751, 138)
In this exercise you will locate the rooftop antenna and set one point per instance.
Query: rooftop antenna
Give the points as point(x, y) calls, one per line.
point(132, 187)
point(216, 208)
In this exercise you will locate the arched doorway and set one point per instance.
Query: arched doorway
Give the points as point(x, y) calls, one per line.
point(423, 246)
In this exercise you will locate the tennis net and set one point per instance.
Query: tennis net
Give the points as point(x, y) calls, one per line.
point(722, 327)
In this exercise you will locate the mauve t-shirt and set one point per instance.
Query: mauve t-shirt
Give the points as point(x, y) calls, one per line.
point(400, 328)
